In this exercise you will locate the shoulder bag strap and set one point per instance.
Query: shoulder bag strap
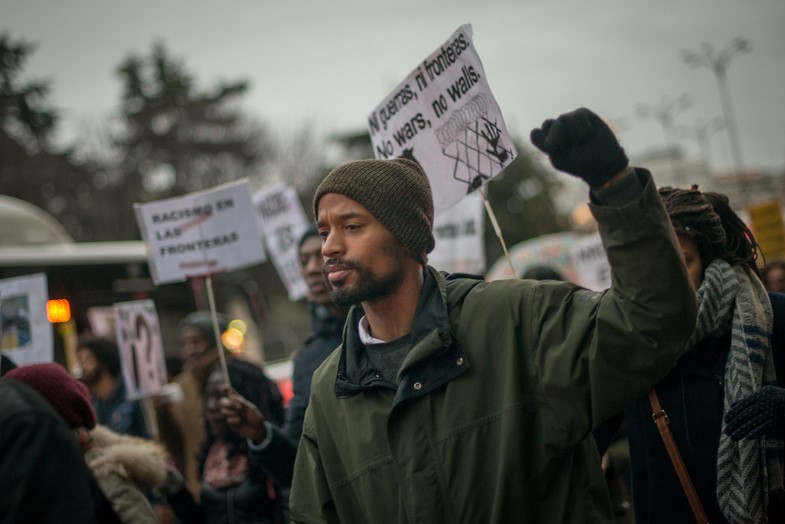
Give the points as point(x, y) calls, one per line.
point(661, 419)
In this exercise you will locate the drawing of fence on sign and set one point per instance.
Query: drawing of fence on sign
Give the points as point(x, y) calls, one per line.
point(474, 143)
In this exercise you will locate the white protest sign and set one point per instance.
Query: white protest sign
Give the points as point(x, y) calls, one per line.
point(141, 348)
point(283, 221)
point(26, 332)
point(459, 232)
point(590, 263)
point(444, 116)
point(201, 233)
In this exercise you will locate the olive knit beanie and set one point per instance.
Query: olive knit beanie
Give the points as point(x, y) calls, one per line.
point(396, 192)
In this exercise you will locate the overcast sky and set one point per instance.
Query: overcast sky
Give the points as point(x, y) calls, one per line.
point(330, 63)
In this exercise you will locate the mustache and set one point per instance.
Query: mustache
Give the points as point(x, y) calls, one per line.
point(336, 262)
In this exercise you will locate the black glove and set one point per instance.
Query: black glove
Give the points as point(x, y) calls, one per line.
point(581, 144)
point(762, 413)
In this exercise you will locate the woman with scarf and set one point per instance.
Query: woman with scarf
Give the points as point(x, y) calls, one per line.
point(730, 357)
point(234, 489)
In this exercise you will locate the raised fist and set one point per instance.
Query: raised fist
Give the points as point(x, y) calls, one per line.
point(581, 144)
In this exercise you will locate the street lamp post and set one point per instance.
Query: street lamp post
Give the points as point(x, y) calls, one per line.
point(718, 63)
point(701, 133)
point(665, 114)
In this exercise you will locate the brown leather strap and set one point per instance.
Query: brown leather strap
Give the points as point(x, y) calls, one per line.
point(661, 419)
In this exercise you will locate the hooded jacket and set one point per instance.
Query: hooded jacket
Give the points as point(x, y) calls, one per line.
point(503, 383)
point(125, 469)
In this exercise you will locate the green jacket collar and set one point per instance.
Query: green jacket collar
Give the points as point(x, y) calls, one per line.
point(434, 359)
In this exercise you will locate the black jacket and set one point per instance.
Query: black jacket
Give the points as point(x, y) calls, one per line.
point(43, 475)
point(277, 457)
point(692, 396)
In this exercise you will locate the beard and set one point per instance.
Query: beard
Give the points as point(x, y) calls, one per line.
point(370, 287)
point(90, 378)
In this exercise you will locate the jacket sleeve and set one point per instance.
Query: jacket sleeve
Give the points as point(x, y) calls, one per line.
point(277, 457)
point(310, 501)
point(594, 353)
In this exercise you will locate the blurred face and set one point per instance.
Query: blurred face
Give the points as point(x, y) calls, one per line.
point(692, 258)
point(195, 344)
point(311, 262)
point(775, 279)
point(91, 368)
point(212, 405)
point(363, 262)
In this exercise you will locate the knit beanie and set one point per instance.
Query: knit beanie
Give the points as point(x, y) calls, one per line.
point(67, 396)
point(203, 321)
point(396, 192)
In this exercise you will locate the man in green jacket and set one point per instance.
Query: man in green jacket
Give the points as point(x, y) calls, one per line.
point(456, 400)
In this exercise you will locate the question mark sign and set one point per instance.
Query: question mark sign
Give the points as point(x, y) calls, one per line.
point(147, 347)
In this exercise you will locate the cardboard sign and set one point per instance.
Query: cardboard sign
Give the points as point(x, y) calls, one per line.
point(201, 233)
point(590, 263)
point(283, 221)
point(444, 116)
point(141, 348)
point(459, 233)
point(26, 333)
point(769, 230)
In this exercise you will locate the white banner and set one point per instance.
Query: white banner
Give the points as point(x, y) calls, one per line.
point(27, 333)
point(459, 234)
point(283, 221)
point(590, 263)
point(201, 233)
point(141, 348)
point(444, 116)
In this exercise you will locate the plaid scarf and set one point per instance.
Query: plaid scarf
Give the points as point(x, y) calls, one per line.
point(732, 299)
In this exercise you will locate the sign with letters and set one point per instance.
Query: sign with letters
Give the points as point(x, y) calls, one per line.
point(141, 348)
point(769, 230)
point(444, 117)
point(459, 234)
point(590, 263)
point(283, 221)
point(201, 233)
point(26, 332)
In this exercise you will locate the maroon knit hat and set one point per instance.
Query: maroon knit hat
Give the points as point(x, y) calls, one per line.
point(68, 396)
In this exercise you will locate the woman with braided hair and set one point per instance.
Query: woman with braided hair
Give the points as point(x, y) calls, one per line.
point(234, 487)
point(735, 463)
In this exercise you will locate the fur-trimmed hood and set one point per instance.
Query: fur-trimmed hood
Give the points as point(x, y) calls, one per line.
point(142, 461)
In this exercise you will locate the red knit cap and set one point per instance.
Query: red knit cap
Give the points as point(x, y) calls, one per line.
point(68, 396)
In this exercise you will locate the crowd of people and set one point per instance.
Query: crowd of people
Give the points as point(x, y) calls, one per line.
point(428, 397)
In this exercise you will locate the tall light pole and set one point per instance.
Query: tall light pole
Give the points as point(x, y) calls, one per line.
point(665, 114)
point(718, 63)
point(701, 133)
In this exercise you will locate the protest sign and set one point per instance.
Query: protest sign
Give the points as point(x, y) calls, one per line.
point(769, 230)
point(444, 117)
point(459, 234)
point(201, 233)
point(26, 332)
point(283, 221)
point(591, 263)
point(141, 348)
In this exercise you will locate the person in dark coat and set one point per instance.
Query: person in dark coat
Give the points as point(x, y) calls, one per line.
point(733, 353)
point(272, 446)
point(99, 359)
point(43, 475)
